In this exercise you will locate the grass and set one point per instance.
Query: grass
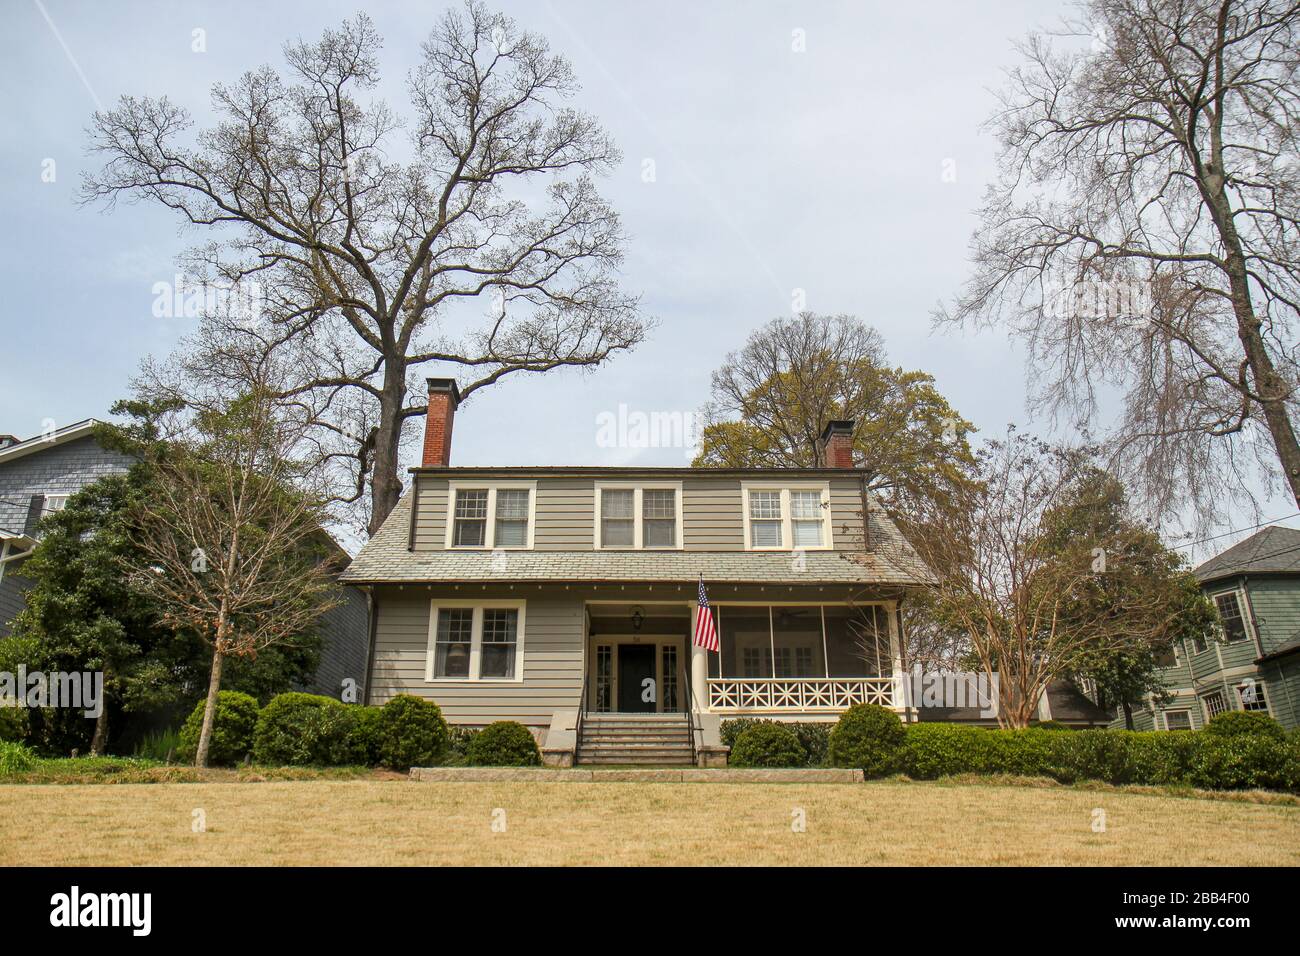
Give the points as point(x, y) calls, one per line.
point(129, 770)
point(379, 820)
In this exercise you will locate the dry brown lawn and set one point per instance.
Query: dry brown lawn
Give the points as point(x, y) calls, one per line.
point(395, 821)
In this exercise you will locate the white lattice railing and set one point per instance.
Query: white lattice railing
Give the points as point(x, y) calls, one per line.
point(799, 694)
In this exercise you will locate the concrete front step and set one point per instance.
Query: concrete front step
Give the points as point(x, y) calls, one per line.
point(633, 775)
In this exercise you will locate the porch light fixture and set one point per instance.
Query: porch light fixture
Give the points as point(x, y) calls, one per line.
point(638, 618)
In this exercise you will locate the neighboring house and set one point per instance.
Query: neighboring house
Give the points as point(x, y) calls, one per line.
point(1255, 664)
point(37, 476)
point(1063, 703)
point(564, 597)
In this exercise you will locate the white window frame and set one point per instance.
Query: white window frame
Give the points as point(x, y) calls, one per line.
point(476, 641)
point(637, 487)
point(1264, 695)
point(1179, 710)
point(1241, 615)
point(787, 519)
point(1205, 704)
point(45, 504)
point(489, 532)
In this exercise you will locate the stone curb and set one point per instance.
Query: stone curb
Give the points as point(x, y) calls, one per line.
point(635, 775)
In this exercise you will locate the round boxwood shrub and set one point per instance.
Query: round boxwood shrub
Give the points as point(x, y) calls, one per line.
point(867, 737)
point(411, 733)
point(1233, 723)
point(233, 725)
point(506, 743)
point(730, 730)
point(297, 729)
point(768, 745)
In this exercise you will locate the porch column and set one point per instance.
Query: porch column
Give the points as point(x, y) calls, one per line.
point(699, 672)
point(896, 653)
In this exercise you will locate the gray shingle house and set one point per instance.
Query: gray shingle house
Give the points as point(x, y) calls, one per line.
point(37, 476)
point(565, 597)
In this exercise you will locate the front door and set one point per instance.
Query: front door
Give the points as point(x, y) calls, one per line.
point(636, 674)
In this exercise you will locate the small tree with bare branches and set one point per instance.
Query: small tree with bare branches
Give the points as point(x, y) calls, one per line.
point(1030, 604)
point(230, 544)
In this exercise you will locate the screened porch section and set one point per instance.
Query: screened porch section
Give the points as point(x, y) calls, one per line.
point(805, 658)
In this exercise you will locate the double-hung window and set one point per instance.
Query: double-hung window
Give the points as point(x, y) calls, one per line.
point(1234, 622)
point(476, 641)
point(498, 515)
point(778, 518)
point(643, 516)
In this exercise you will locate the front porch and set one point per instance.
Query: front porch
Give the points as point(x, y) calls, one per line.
point(806, 660)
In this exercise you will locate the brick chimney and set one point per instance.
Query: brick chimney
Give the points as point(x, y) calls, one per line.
point(444, 397)
point(837, 444)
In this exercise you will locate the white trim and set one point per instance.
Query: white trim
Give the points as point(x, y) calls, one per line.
point(51, 440)
point(787, 523)
point(1191, 724)
point(1241, 614)
point(490, 525)
point(637, 487)
point(476, 640)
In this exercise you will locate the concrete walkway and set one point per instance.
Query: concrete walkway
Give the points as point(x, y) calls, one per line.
point(635, 775)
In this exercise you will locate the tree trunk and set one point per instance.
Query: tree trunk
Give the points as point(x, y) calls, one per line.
point(210, 707)
point(99, 741)
point(1128, 716)
point(385, 485)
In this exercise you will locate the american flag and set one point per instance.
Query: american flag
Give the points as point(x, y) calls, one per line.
point(706, 635)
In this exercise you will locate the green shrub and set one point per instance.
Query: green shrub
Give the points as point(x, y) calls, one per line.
point(1035, 752)
point(458, 741)
point(1233, 723)
point(731, 730)
point(937, 750)
point(412, 733)
point(815, 738)
point(1051, 725)
point(505, 743)
point(232, 730)
point(768, 745)
point(1094, 755)
point(297, 729)
point(867, 736)
point(14, 724)
point(1243, 762)
point(366, 733)
point(15, 758)
point(1162, 757)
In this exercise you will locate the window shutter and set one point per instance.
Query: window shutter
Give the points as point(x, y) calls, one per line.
point(34, 511)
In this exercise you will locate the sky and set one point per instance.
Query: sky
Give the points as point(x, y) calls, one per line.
point(831, 152)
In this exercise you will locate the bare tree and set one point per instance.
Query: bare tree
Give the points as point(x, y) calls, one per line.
point(1142, 236)
point(231, 546)
point(1009, 589)
point(354, 243)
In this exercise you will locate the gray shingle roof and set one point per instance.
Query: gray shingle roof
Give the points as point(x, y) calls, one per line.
point(386, 558)
point(1272, 550)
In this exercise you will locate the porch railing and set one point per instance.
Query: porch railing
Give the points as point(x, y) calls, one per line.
point(798, 693)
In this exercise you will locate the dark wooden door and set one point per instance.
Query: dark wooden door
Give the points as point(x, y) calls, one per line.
point(636, 662)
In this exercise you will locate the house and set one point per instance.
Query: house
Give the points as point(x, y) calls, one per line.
point(1255, 663)
point(1061, 703)
point(37, 476)
point(565, 597)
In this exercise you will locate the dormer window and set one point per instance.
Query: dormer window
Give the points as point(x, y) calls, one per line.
point(646, 516)
point(499, 515)
point(782, 518)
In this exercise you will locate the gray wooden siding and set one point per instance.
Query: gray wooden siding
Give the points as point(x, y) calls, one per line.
point(554, 630)
point(712, 517)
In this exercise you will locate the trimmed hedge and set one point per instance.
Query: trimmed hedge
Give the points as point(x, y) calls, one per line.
point(410, 732)
point(1159, 758)
point(815, 738)
point(1233, 723)
point(233, 725)
point(506, 743)
point(298, 730)
point(867, 737)
point(768, 745)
